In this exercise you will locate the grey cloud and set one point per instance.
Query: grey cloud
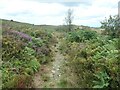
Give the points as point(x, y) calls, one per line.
point(72, 4)
point(67, 2)
point(89, 17)
point(23, 13)
point(77, 3)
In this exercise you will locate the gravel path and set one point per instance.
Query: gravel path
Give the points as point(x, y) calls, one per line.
point(52, 72)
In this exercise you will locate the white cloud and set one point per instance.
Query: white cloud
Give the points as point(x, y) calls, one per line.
point(33, 11)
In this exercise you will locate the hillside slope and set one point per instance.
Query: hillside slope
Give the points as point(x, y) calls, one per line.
point(25, 48)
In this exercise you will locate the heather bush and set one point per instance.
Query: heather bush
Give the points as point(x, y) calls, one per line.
point(17, 62)
point(23, 53)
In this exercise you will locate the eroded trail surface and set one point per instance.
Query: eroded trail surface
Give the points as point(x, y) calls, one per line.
point(50, 75)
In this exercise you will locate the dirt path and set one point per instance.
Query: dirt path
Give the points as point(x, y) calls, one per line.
point(49, 76)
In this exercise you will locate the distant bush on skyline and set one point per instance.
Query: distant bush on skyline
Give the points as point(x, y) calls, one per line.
point(112, 26)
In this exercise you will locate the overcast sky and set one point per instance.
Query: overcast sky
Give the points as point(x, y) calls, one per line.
point(53, 12)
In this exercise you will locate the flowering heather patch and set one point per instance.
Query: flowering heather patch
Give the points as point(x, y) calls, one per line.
point(23, 51)
point(21, 34)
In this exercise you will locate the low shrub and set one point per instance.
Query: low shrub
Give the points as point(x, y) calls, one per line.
point(81, 35)
point(95, 62)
